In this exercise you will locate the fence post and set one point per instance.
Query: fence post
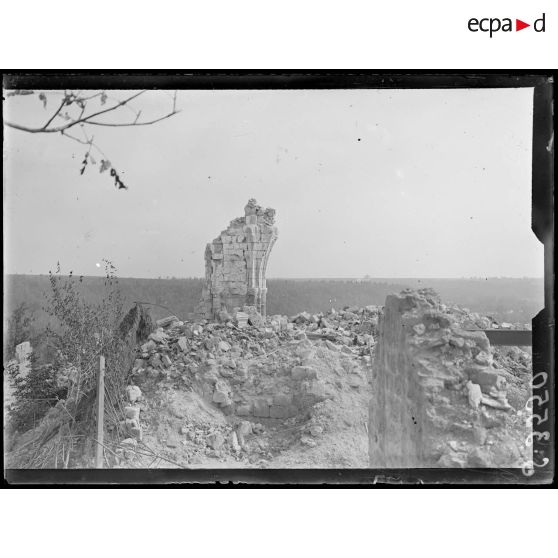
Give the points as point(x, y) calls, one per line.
point(100, 413)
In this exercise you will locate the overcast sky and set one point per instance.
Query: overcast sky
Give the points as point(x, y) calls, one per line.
point(386, 183)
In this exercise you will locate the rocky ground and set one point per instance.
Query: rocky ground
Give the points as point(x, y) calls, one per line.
point(442, 396)
point(284, 393)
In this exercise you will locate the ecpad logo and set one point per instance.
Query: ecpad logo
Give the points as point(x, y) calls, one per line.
point(493, 25)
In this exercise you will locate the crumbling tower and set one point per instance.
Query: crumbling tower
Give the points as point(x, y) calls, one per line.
point(236, 262)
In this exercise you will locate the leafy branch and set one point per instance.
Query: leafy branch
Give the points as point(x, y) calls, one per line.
point(72, 98)
point(77, 109)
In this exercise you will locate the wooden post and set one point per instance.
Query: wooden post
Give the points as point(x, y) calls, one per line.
point(100, 413)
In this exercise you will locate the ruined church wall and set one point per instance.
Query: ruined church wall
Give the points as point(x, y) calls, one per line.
point(398, 405)
point(236, 263)
point(437, 400)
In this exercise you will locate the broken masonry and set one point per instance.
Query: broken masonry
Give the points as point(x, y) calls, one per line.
point(236, 262)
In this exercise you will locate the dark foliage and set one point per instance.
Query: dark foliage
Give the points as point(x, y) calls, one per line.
point(19, 329)
point(33, 395)
point(81, 330)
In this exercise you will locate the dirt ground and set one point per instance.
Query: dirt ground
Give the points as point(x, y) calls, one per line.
point(182, 429)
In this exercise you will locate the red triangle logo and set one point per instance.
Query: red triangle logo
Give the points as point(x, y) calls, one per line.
point(519, 25)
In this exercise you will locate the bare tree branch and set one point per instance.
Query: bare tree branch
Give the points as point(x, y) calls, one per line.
point(110, 109)
point(134, 123)
point(74, 98)
point(91, 96)
point(55, 114)
point(128, 106)
point(87, 119)
point(89, 142)
point(72, 123)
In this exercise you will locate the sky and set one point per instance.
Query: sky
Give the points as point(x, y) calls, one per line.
point(385, 183)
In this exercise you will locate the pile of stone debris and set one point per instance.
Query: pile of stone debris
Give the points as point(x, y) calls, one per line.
point(473, 320)
point(229, 383)
point(223, 390)
point(442, 395)
point(351, 326)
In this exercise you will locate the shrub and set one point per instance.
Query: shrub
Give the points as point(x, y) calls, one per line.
point(83, 332)
point(86, 330)
point(19, 329)
point(32, 395)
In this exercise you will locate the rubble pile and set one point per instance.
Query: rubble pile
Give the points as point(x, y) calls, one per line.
point(294, 392)
point(239, 385)
point(415, 383)
point(245, 392)
point(440, 397)
point(515, 366)
point(473, 320)
point(350, 326)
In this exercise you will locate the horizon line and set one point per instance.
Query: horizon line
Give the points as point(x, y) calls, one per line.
point(302, 278)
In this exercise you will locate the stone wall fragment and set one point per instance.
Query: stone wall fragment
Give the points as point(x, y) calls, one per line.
point(236, 263)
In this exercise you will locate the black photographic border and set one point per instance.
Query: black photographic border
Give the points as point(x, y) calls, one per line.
point(542, 224)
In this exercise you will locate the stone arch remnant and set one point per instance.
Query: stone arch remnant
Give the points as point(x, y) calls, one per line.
point(236, 262)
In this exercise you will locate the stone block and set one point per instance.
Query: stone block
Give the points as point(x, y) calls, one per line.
point(316, 430)
point(355, 381)
point(224, 346)
point(155, 360)
point(479, 435)
point(138, 363)
point(166, 322)
point(486, 378)
point(483, 358)
point(233, 440)
point(317, 389)
point(23, 351)
point(303, 373)
point(148, 347)
point(158, 336)
point(241, 319)
point(244, 428)
point(478, 338)
point(215, 440)
point(458, 342)
point(137, 433)
point(132, 412)
point(479, 458)
point(134, 428)
point(261, 408)
point(133, 393)
point(275, 411)
point(244, 410)
point(221, 397)
point(282, 399)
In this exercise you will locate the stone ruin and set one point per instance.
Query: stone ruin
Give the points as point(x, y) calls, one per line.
point(438, 398)
point(235, 265)
point(21, 363)
point(23, 357)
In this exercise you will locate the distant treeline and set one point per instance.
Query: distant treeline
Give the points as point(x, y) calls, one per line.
point(512, 300)
point(506, 299)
